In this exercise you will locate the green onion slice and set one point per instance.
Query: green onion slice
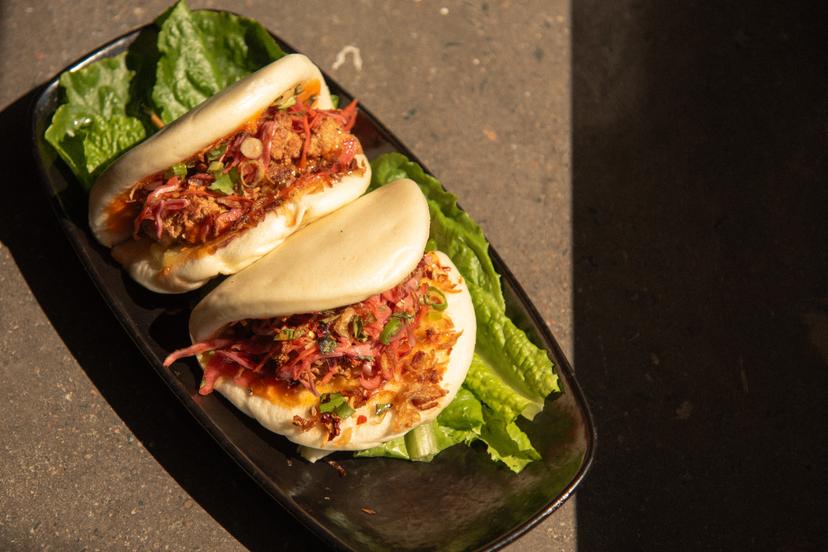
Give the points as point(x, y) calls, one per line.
point(392, 328)
point(179, 170)
point(216, 152)
point(257, 176)
point(436, 299)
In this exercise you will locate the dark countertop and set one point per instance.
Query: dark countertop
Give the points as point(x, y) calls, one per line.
point(97, 452)
point(653, 173)
point(701, 272)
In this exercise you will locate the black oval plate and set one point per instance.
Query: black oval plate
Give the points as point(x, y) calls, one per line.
point(461, 500)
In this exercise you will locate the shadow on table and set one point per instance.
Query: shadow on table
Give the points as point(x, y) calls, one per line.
point(78, 313)
point(700, 141)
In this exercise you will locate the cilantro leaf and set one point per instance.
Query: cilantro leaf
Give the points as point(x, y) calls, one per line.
point(223, 184)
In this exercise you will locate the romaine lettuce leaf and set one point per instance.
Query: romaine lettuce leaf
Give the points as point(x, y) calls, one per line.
point(453, 230)
point(507, 349)
point(506, 442)
point(425, 441)
point(504, 350)
point(204, 52)
point(465, 420)
point(459, 422)
point(509, 375)
point(464, 413)
point(93, 128)
point(421, 444)
point(395, 448)
point(171, 67)
point(484, 381)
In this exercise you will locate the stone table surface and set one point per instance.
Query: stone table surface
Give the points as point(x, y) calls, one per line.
point(96, 453)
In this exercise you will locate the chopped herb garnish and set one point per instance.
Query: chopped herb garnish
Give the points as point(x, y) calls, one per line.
point(179, 170)
point(345, 411)
point(358, 329)
point(326, 345)
point(226, 183)
point(380, 408)
point(392, 328)
point(216, 153)
point(329, 402)
point(223, 184)
point(235, 177)
point(394, 325)
point(288, 334)
point(215, 167)
point(335, 403)
point(436, 299)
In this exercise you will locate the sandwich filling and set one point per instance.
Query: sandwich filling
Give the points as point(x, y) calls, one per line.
point(391, 349)
point(289, 150)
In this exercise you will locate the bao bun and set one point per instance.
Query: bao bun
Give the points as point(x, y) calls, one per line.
point(156, 267)
point(363, 249)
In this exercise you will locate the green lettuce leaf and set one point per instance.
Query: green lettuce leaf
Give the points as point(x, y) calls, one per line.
point(171, 67)
point(506, 348)
point(484, 381)
point(422, 443)
point(464, 413)
point(509, 375)
point(204, 52)
point(459, 422)
point(506, 442)
point(464, 420)
point(93, 128)
point(395, 448)
point(453, 230)
point(427, 440)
